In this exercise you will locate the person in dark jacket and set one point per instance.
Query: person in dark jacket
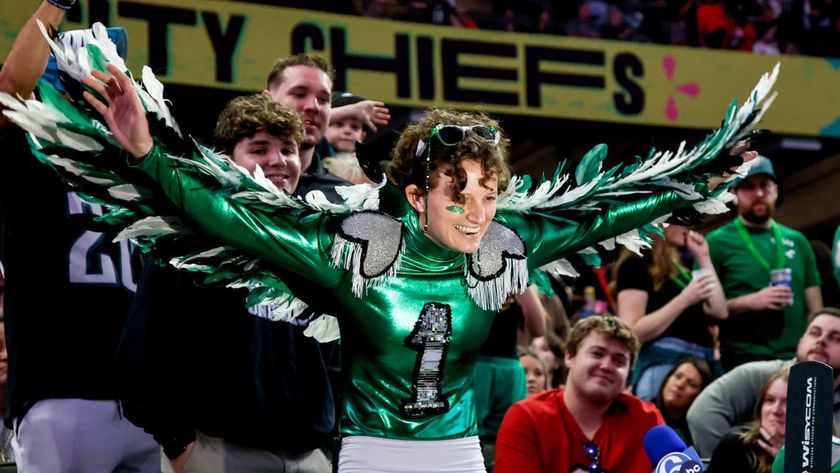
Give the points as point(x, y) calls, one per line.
point(68, 291)
point(219, 387)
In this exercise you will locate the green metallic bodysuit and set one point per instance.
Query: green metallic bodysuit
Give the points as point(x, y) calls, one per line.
point(411, 341)
point(412, 315)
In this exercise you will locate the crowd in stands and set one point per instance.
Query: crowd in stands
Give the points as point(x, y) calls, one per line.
point(809, 27)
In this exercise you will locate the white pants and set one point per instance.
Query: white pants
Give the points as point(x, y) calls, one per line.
point(82, 436)
point(372, 454)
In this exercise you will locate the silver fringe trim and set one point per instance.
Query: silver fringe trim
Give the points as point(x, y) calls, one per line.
point(348, 255)
point(492, 294)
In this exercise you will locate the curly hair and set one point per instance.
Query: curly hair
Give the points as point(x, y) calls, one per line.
point(406, 169)
point(245, 116)
point(608, 326)
point(275, 75)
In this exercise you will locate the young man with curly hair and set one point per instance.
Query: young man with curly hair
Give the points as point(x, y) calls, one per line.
point(590, 425)
point(221, 388)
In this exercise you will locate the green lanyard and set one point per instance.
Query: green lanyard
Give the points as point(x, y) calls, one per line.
point(684, 277)
point(777, 235)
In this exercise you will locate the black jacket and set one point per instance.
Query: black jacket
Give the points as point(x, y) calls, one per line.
point(193, 357)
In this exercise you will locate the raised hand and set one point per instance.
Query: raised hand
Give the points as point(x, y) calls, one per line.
point(121, 110)
point(771, 440)
point(696, 244)
point(370, 112)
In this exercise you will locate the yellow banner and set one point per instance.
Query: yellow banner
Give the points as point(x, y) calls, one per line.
point(232, 45)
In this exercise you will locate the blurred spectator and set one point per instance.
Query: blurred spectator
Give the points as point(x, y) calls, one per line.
point(835, 256)
point(342, 136)
point(767, 43)
point(551, 349)
point(499, 378)
point(830, 289)
point(753, 451)
point(537, 376)
point(623, 26)
point(682, 385)
point(765, 320)
point(729, 400)
point(740, 32)
point(383, 8)
point(712, 23)
point(669, 308)
point(763, 26)
point(592, 16)
point(461, 17)
point(548, 24)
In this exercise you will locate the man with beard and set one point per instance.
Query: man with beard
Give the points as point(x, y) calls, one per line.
point(729, 400)
point(766, 318)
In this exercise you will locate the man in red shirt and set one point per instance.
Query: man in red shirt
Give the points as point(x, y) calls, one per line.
point(591, 425)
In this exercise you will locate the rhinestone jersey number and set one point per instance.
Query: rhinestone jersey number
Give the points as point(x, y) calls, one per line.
point(430, 338)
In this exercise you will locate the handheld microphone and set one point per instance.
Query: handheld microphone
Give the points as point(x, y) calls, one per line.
point(668, 452)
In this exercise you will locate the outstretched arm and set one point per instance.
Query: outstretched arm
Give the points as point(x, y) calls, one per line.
point(550, 237)
point(29, 55)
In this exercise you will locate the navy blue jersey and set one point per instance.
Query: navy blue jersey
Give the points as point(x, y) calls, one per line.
point(68, 286)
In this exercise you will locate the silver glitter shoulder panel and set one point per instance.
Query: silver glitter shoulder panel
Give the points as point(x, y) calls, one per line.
point(498, 269)
point(370, 245)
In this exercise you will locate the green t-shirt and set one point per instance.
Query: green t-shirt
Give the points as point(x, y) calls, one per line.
point(779, 462)
point(771, 334)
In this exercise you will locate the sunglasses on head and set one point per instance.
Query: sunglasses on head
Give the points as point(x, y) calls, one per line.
point(451, 135)
point(590, 449)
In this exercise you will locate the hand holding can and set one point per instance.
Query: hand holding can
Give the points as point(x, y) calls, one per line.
point(782, 277)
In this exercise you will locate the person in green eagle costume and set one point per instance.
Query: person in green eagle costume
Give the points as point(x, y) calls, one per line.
point(415, 270)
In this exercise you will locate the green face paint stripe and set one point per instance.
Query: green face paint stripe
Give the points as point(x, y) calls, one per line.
point(456, 209)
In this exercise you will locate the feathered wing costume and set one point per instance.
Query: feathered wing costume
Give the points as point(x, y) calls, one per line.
point(413, 315)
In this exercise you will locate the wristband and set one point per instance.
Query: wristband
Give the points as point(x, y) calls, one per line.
point(63, 4)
